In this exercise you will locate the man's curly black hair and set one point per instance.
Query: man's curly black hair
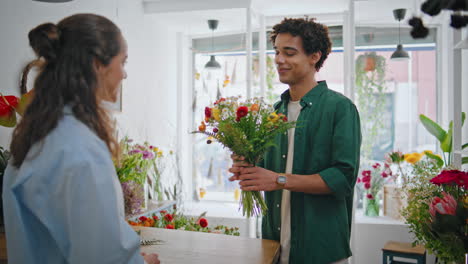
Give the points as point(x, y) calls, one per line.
point(314, 36)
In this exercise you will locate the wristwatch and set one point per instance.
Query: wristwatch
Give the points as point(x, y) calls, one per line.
point(281, 179)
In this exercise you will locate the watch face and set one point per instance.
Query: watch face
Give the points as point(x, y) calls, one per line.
point(281, 179)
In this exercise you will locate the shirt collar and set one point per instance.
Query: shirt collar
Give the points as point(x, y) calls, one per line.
point(308, 98)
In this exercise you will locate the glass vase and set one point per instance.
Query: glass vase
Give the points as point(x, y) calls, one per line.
point(372, 207)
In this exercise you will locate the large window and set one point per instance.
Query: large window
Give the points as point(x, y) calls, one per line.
point(390, 116)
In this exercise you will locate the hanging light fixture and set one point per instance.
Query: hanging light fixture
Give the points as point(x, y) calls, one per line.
point(399, 53)
point(212, 64)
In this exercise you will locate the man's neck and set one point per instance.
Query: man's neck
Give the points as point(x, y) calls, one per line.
point(298, 90)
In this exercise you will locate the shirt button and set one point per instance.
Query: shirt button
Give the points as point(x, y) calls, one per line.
point(277, 205)
point(279, 228)
point(284, 156)
point(310, 103)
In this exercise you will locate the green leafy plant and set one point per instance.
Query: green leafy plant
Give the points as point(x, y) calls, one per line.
point(370, 90)
point(444, 137)
point(437, 210)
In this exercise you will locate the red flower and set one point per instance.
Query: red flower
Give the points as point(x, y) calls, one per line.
point(241, 112)
point(155, 218)
point(215, 130)
point(376, 165)
point(366, 179)
point(358, 180)
point(367, 185)
point(446, 205)
point(386, 165)
point(7, 110)
point(168, 217)
point(169, 226)
point(203, 222)
point(163, 212)
point(366, 173)
point(462, 180)
point(370, 196)
point(143, 218)
point(447, 177)
point(207, 112)
point(384, 174)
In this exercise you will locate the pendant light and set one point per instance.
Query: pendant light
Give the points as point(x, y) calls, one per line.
point(399, 54)
point(212, 64)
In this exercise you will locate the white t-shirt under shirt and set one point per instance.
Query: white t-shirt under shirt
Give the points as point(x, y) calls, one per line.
point(294, 108)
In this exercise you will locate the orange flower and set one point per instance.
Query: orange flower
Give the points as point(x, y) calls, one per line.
point(254, 107)
point(202, 127)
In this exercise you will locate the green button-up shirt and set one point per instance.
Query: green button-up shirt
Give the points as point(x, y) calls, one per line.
point(327, 141)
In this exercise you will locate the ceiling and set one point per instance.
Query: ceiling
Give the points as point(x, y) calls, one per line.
point(190, 16)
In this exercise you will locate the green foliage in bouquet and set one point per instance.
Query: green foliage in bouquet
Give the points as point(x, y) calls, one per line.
point(248, 129)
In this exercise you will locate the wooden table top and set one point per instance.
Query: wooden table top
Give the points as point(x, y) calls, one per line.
point(196, 247)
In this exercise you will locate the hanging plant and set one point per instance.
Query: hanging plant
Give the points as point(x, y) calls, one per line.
point(370, 89)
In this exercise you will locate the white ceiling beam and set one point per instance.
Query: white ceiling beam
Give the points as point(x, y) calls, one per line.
point(165, 6)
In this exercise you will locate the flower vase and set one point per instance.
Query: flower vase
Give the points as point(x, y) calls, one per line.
point(371, 207)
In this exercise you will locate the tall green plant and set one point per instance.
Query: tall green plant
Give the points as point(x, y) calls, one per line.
point(445, 138)
point(370, 89)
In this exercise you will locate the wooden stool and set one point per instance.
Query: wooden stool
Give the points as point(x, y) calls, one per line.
point(403, 250)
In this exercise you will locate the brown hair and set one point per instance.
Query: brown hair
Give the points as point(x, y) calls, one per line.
point(314, 36)
point(67, 76)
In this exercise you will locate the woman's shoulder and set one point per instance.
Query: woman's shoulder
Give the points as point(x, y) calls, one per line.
point(75, 140)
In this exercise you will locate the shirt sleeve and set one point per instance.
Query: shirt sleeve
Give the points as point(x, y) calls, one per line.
point(81, 212)
point(346, 143)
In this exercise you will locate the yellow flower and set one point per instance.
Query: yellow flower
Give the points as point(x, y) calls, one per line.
point(237, 194)
point(465, 201)
point(160, 153)
point(215, 112)
point(197, 76)
point(202, 192)
point(273, 117)
point(427, 151)
point(413, 157)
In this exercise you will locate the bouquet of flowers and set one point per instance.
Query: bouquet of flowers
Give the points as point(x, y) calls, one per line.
point(135, 162)
point(248, 129)
point(437, 213)
point(166, 220)
point(372, 181)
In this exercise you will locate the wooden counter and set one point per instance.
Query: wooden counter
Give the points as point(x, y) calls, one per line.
point(204, 248)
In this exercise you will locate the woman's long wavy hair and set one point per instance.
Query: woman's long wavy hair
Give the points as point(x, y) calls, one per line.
point(68, 53)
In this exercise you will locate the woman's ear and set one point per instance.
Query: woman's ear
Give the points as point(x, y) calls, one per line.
point(98, 67)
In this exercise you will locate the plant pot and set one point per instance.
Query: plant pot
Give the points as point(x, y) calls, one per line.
point(369, 64)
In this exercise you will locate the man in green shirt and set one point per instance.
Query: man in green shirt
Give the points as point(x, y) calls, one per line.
point(309, 177)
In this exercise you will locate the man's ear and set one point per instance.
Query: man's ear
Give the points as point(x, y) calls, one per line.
point(315, 57)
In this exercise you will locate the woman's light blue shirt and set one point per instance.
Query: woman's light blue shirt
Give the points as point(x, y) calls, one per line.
point(64, 204)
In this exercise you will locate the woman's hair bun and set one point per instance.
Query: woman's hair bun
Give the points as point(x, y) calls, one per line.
point(44, 40)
